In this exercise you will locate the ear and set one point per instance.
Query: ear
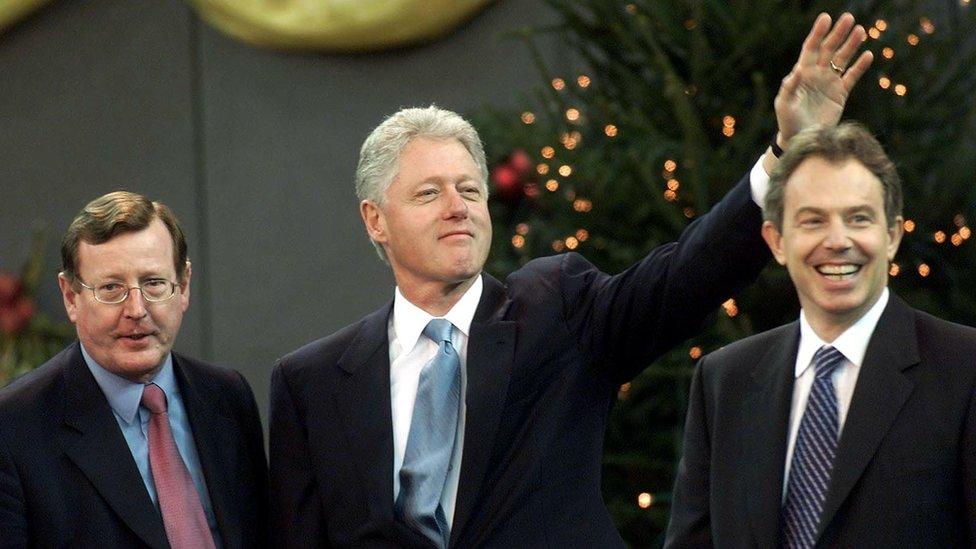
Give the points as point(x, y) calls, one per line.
point(70, 297)
point(185, 287)
point(895, 232)
point(374, 220)
point(774, 239)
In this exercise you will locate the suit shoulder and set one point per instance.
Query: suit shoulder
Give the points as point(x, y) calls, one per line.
point(38, 387)
point(753, 347)
point(943, 338)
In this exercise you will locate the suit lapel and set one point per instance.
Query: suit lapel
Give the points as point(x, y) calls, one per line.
point(362, 397)
point(94, 442)
point(490, 355)
point(879, 395)
point(215, 437)
point(767, 412)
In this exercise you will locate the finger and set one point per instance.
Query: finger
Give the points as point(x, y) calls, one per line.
point(846, 52)
point(857, 70)
point(835, 38)
point(789, 84)
point(811, 45)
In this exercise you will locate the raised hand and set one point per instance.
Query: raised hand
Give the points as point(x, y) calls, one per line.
point(816, 90)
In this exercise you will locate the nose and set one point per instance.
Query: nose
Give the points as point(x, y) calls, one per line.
point(134, 305)
point(457, 207)
point(837, 238)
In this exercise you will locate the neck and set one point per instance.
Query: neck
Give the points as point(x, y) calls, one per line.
point(436, 298)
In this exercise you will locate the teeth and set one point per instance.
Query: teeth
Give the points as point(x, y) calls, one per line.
point(838, 271)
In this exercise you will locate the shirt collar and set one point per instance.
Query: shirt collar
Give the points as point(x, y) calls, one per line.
point(409, 320)
point(124, 395)
point(852, 342)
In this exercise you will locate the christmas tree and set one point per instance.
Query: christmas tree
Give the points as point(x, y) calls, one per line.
point(671, 104)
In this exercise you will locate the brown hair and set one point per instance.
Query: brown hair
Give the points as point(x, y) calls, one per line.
point(835, 144)
point(113, 214)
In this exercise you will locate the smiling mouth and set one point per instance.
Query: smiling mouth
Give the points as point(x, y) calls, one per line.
point(839, 272)
point(135, 337)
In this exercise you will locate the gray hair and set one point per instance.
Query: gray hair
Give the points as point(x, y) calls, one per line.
point(835, 144)
point(380, 154)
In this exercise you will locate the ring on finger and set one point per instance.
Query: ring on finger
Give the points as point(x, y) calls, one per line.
point(835, 68)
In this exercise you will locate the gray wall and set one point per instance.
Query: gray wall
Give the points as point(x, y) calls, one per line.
point(254, 149)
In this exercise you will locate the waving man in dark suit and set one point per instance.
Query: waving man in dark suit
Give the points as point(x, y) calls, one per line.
point(469, 412)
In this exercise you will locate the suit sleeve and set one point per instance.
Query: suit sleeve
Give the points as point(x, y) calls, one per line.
point(690, 523)
point(255, 447)
point(296, 513)
point(13, 515)
point(624, 322)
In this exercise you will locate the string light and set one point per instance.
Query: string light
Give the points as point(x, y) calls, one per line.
point(565, 170)
point(542, 169)
point(912, 39)
point(582, 235)
point(552, 185)
point(582, 205)
point(689, 212)
point(558, 245)
point(924, 270)
point(888, 53)
point(909, 225)
point(528, 118)
point(570, 139)
point(673, 184)
point(610, 130)
point(518, 241)
point(881, 24)
point(927, 26)
point(583, 81)
point(730, 307)
point(548, 152)
point(644, 500)
point(900, 90)
point(623, 390)
point(956, 239)
point(531, 190)
point(939, 237)
point(728, 126)
point(670, 195)
point(522, 228)
point(695, 353)
point(965, 233)
point(873, 32)
point(670, 165)
point(894, 269)
point(884, 82)
point(571, 242)
point(631, 8)
point(959, 220)
point(558, 84)
point(572, 115)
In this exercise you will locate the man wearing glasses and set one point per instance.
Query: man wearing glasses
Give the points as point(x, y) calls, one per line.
point(117, 441)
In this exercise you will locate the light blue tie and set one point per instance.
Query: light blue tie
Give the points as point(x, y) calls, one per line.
point(813, 455)
point(430, 444)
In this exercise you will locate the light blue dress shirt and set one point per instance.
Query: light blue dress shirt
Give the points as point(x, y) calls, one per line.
point(123, 397)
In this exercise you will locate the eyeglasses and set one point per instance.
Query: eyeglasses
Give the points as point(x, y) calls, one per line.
point(112, 293)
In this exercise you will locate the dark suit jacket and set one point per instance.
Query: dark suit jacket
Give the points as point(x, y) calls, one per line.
point(546, 354)
point(67, 477)
point(905, 471)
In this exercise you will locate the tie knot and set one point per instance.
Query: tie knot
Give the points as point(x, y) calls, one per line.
point(439, 329)
point(154, 398)
point(826, 360)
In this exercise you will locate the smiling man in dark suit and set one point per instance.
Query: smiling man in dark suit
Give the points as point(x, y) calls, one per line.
point(117, 441)
point(854, 426)
point(468, 412)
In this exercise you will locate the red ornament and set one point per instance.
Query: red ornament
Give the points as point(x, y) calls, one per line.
point(520, 160)
point(16, 316)
point(10, 288)
point(506, 181)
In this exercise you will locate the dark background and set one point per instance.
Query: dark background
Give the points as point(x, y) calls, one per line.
point(254, 149)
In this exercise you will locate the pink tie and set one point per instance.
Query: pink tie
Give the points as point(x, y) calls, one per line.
point(186, 525)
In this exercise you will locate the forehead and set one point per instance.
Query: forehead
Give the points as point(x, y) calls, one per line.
point(425, 157)
point(149, 250)
point(820, 183)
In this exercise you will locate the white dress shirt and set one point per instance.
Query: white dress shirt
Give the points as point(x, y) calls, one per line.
point(410, 350)
point(852, 343)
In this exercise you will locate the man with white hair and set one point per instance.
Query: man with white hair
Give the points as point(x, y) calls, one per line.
point(467, 412)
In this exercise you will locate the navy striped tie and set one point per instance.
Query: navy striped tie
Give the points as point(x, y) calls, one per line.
point(813, 455)
point(430, 443)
